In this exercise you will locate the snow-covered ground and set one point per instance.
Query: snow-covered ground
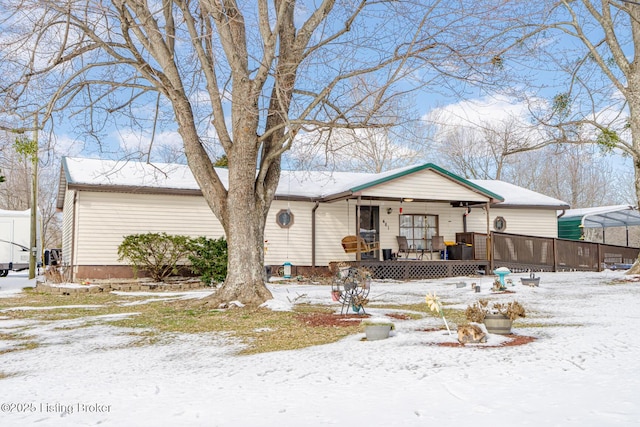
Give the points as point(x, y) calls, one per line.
point(583, 369)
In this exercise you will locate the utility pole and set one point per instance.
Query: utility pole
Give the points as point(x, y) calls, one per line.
point(34, 203)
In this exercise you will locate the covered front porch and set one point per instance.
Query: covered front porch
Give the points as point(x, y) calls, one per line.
point(519, 253)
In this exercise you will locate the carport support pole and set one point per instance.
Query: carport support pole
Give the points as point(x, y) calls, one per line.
point(627, 228)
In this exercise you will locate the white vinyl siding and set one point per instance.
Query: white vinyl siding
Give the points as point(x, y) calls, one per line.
point(293, 243)
point(425, 184)
point(104, 219)
point(67, 227)
point(530, 222)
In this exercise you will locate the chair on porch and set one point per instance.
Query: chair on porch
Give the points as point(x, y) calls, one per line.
point(350, 245)
point(405, 248)
point(437, 245)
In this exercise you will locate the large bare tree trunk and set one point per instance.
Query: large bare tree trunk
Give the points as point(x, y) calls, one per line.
point(242, 212)
point(245, 240)
point(633, 98)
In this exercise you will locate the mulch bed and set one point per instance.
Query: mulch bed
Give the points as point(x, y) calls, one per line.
point(330, 319)
point(398, 316)
point(346, 320)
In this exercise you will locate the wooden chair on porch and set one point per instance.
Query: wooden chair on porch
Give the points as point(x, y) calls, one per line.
point(350, 244)
point(405, 248)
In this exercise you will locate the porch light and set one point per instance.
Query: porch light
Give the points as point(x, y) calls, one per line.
point(407, 200)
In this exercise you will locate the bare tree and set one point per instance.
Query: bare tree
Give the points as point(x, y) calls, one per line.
point(244, 76)
point(460, 148)
point(578, 174)
point(511, 150)
point(595, 45)
point(15, 193)
point(484, 150)
point(399, 138)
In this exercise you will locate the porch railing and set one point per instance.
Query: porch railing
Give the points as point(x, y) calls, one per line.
point(517, 252)
point(522, 253)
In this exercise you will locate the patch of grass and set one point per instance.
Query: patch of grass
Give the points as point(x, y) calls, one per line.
point(24, 342)
point(420, 308)
point(66, 306)
point(4, 375)
point(261, 330)
point(310, 308)
point(455, 316)
point(144, 339)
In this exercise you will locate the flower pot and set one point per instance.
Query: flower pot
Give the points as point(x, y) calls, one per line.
point(377, 332)
point(497, 324)
point(535, 281)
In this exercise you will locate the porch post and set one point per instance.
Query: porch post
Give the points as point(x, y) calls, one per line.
point(489, 239)
point(358, 248)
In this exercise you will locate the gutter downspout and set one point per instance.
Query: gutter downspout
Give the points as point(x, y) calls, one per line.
point(313, 234)
point(464, 218)
point(73, 236)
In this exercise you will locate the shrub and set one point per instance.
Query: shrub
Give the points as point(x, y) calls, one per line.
point(159, 254)
point(479, 310)
point(209, 258)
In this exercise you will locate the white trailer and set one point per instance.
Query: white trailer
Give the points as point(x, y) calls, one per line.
point(15, 240)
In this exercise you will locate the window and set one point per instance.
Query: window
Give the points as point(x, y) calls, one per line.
point(499, 224)
point(284, 218)
point(419, 229)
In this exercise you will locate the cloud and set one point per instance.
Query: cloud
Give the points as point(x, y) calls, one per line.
point(479, 111)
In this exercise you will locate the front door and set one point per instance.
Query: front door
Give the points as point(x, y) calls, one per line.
point(370, 228)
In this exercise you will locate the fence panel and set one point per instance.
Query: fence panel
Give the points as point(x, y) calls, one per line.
point(576, 255)
point(612, 256)
point(520, 253)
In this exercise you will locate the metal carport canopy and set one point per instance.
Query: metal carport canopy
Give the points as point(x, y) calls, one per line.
point(606, 216)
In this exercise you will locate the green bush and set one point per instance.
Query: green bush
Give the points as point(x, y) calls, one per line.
point(209, 259)
point(159, 254)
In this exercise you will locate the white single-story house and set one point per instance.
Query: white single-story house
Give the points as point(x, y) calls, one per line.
point(104, 200)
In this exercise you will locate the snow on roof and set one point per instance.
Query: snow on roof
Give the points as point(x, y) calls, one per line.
point(311, 184)
point(519, 196)
point(306, 184)
point(604, 216)
point(128, 173)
